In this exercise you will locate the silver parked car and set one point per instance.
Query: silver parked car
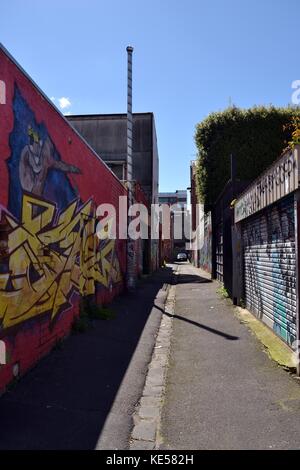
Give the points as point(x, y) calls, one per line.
point(182, 257)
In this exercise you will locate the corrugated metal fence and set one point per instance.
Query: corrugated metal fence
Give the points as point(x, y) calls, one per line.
point(270, 267)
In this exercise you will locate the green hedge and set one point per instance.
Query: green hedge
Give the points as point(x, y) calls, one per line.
point(256, 136)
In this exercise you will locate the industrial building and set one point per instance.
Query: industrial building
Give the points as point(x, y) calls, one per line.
point(178, 201)
point(106, 134)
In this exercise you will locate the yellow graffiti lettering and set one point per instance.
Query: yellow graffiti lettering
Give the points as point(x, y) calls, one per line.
point(51, 255)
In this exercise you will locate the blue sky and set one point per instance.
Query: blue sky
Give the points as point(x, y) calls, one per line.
point(191, 57)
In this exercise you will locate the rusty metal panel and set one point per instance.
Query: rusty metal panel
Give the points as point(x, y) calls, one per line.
point(269, 257)
point(279, 180)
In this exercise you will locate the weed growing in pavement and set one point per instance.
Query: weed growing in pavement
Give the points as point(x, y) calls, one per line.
point(89, 310)
point(223, 292)
point(81, 323)
point(101, 313)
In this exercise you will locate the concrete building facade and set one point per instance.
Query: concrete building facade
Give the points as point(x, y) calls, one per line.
point(106, 133)
point(177, 199)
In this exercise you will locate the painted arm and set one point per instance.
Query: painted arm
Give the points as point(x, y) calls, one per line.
point(25, 172)
point(48, 154)
point(65, 167)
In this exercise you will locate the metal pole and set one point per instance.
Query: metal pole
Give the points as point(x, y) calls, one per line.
point(131, 252)
point(129, 114)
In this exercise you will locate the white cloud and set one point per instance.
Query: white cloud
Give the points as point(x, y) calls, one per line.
point(64, 102)
point(53, 99)
point(68, 113)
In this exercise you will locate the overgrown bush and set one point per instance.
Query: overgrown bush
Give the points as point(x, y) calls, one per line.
point(255, 136)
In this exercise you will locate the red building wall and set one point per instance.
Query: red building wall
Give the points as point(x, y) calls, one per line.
point(50, 185)
point(142, 247)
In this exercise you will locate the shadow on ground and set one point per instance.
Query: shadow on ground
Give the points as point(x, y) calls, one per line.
point(203, 327)
point(63, 402)
point(194, 279)
point(191, 279)
point(184, 278)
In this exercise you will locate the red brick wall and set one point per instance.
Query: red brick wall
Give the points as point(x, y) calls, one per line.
point(49, 254)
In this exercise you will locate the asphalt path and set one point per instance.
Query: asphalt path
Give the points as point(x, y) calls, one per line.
point(223, 391)
point(83, 395)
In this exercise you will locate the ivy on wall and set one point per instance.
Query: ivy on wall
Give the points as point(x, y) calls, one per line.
point(255, 136)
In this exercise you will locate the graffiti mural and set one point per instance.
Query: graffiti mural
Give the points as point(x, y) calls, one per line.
point(51, 249)
point(270, 267)
point(51, 183)
point(205, 243)
point(51, 254)
point(34, 165)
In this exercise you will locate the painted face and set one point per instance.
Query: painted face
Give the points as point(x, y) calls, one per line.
point(35, 155)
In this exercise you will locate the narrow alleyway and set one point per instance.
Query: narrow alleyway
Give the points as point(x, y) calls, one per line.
point(223, 391)
point(83, 395)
